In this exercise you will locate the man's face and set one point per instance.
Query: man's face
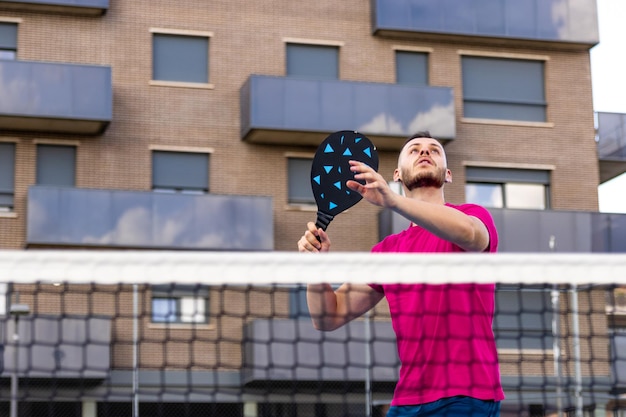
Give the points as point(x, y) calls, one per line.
point(422, 163)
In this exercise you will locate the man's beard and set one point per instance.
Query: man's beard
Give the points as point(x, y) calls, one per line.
point(423, 179)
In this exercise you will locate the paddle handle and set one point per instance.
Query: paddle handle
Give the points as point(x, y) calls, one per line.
point(323, 220)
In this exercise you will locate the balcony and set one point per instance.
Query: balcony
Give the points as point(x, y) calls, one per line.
point(55, 98)
point(563, 23)
point(58, 347)
point(292, 350)
point(282, 110)
point(73, 7)
point(531, 230)
point(59, 216)
point(611, 131)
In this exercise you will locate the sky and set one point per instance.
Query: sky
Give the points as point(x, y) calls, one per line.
point(608, 77)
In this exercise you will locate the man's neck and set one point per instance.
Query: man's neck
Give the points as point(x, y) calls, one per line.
point(427, 194)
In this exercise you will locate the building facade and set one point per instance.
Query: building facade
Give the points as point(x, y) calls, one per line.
point(191, 125)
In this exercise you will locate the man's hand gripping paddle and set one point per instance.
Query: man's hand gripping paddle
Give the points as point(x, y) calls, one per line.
point(330, 171)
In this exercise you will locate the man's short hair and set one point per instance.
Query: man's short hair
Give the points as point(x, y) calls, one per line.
point(420, 134)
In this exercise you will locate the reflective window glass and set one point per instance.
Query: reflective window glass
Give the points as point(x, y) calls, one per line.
point(7, 176)
point(299, 181)
point(487, 195)
point(186, 172)
point(411, 68)
point(504, 89)
point(525, 196)
point(56, 165)
point(313, 61)
point(180, 58)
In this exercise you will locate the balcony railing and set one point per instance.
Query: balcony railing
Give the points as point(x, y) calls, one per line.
point(568, 23)
point(57, 347)
point(611, 130)
point(292, 350)
point(56, 98)
point(302, 111)
point(74, 7)
point(140, 219)
point(532, 230)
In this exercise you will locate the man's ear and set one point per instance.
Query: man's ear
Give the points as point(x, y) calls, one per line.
point(448, 176)
point(396, 176)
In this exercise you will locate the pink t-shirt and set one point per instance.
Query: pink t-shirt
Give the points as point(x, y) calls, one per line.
point(444, 332)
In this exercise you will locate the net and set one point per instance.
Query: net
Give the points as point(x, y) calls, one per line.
point(110, 333)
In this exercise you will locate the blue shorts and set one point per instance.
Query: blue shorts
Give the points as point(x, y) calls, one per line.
point(448, 407)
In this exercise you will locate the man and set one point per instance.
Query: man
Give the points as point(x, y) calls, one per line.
point(449, 363)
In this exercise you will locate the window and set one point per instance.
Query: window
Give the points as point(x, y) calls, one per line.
point(56, 165)
point(186, 172)
point(299, 181)
point(7, 176)
point(523, 318)
point(180, 58)
point(8, 40)
point(313, 61)
point(501, 88)
point(508, 188)
point(180, 304)
point(411, 68)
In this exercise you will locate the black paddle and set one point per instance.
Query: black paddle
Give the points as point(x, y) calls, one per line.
point(330, 171)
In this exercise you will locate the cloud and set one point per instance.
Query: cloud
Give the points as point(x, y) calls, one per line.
point(439, 120)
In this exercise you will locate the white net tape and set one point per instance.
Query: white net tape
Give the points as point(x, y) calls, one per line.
point(109, 267)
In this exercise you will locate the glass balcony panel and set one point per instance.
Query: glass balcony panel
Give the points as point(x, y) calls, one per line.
point(59, 347)
point(74, 7)
point(611, 135)
point(301, 111)
point(522, 230)
point(336, 96)
point(135, 219)
point(51, 97)
point(572, 22)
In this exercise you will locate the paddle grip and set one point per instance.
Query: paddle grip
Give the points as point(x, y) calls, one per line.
point(323, 220)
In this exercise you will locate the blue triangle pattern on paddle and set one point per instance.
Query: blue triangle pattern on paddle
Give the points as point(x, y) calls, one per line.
point(368, 152)
point(329, 149)
point(331, 205)
point(322, 195)
point(347, 152)
point(357, 140)
point(316, 179)
point(328, 168)
point(338, 185)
